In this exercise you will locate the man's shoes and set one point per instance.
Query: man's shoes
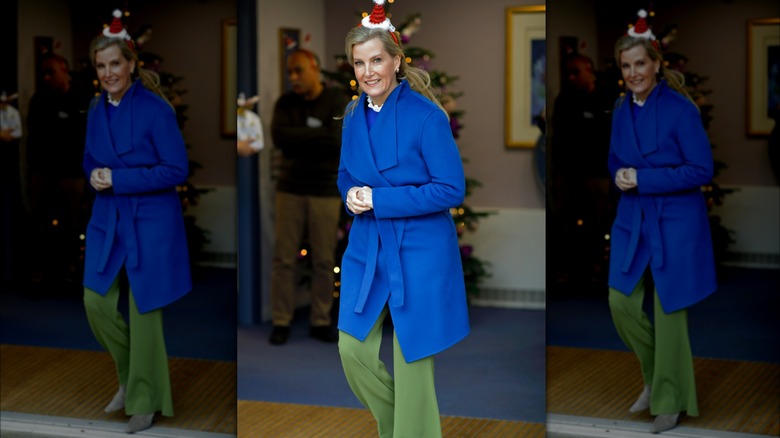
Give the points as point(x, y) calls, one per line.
point(643, 402)
point(139, 422)
point(324, 334)
point(279, 335)
point(118, 402)
point(664, 422)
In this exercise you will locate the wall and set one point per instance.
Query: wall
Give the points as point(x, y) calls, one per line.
point(40, 18)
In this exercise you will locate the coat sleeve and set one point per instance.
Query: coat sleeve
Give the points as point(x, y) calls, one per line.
point(89, 163)
point(345, 182)
point(171, 169)
point(697, 167)
point(613, 162)
point(447, 183)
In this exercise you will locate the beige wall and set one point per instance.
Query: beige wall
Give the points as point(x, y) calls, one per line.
point(47, 18)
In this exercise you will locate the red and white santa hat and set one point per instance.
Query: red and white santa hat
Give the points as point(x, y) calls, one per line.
point(640, 29)
point(378, 20)
point(116, 29)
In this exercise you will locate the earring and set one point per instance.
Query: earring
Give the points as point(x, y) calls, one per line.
point(397, 70)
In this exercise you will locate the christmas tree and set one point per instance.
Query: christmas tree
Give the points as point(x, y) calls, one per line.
point(189, 195)
point(695, 85)
point(466, 219)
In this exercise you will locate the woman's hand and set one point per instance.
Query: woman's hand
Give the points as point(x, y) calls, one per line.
point(359, 199)
point(625, 178)
point(100, 178)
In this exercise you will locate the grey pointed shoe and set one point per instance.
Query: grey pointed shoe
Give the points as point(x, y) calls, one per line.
point(118, 402)
point(643, 402)
point(664, 422)
point(139, 422)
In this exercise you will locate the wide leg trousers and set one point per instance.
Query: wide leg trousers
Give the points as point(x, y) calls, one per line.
point(404, 407)
point(138, 350)
point(663, 350)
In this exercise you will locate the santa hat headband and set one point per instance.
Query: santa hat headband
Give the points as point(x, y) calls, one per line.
point(378, 20)
point(642, 30)
point(117, 30)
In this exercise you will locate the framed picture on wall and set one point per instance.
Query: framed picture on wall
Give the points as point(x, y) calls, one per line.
point(526, 49)
point(289, 41)
point(763, 75)
point(229, 121)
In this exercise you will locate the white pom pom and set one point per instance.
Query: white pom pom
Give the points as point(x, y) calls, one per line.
point(117, 13)
point(642, 13)
point(379, 2)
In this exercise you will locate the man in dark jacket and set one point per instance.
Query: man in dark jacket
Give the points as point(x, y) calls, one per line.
point(304, 130)
point(56, 123)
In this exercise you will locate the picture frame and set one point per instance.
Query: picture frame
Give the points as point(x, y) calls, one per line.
point(229, 89)
point(289, 41)
point(525, 74)
point(763, 83)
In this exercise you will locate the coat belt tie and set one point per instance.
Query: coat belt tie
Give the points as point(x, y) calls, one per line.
point(650, 212)
point(126, 211)
point(386, 234)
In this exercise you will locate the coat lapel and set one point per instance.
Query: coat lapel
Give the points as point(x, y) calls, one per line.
point(640, 136)
point(122, 123)
point(384, 132)
point(647, 124)
point(370, 153)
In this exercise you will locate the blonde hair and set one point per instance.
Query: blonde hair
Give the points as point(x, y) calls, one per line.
point(674, 78)
point(149, 79)
point(419, 79)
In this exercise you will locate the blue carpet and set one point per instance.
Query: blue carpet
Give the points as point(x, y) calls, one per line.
point(739, 321)
point(496, 372)
point(202, 325)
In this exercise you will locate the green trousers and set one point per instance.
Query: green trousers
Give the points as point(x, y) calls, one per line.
point(404, 407)
point(138, 350)
point(663, 349)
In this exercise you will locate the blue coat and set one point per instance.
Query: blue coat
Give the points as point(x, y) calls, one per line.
point(405, 250)
point(138, 223)
point(663, 222)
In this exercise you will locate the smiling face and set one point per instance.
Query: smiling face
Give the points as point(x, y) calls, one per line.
point(639, 71)
point(375, 69)
point(114, 71)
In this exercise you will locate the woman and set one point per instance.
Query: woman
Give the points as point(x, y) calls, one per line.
point(659, 158)
point(134, 158)
point(399, 175)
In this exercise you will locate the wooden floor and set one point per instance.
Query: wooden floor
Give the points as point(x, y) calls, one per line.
point(78, 384)
point(284, 420)
point(733, 396)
